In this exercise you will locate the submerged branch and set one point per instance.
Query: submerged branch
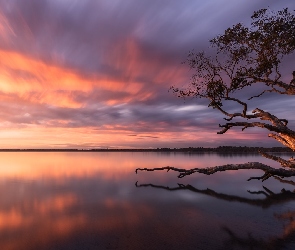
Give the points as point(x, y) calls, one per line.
point(269, 171)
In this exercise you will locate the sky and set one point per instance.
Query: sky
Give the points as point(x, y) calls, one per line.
point(96, 74)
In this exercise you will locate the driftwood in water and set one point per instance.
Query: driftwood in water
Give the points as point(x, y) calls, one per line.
point(268, 171)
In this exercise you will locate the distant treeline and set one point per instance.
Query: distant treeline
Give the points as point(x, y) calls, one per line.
point(227, 149)
point(221, 149)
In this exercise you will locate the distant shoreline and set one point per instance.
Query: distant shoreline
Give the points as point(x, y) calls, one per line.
point(221, 149)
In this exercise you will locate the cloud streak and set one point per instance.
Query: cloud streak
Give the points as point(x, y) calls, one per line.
point(96, 72)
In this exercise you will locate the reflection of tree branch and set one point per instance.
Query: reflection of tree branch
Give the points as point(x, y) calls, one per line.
point(267, 193)
point(258, 192)
point(248, 242)
point(243, 242)
point(270, 199)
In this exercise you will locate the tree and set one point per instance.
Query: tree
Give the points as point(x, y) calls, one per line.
point(245, 58)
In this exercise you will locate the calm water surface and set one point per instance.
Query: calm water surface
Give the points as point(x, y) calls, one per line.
point(89, 200)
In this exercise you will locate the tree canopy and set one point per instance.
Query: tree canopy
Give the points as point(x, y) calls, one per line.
point(244, 58)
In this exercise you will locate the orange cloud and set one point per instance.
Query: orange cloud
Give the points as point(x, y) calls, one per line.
point(36, 81)
point(28, 73)
point(136, 62)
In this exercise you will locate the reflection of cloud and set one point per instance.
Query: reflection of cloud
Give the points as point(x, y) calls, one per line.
point(14, 218)
point(98, 211)
point(60, 200)
point(58, 218)
point(289, 228)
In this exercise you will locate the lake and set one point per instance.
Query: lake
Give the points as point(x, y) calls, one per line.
point(94, 200)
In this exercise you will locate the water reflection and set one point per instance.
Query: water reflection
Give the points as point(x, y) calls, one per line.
point(270, 199)
point(283, 241)
point(250, 242)
point(89, 201)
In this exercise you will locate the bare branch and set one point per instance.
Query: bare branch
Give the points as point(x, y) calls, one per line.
point(228, 126)
point(288, 141)
point(263, 92)
point(259, 113)
point(208, 171)
point(283, 162)
point(289, 89)
point(240, 102)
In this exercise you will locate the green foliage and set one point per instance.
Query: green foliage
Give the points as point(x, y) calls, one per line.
point(244, 56)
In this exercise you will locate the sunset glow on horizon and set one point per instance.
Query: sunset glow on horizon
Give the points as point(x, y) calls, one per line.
point(97, 74)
